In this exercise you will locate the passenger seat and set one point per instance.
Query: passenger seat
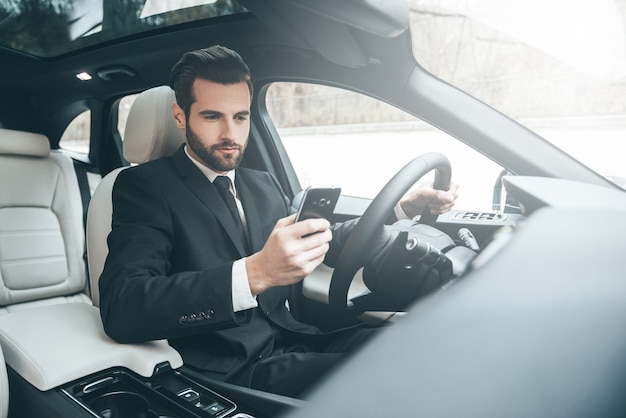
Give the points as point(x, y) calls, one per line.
point(41, 228)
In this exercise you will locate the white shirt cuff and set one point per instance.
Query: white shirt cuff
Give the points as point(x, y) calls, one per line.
point(242, 296)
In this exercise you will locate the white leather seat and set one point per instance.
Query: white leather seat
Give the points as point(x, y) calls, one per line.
point(42, 244)
point(150, 133)
point(41, 227)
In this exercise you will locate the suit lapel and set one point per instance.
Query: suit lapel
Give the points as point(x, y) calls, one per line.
point(208, 195)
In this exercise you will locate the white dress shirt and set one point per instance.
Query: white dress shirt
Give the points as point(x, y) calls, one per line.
point(241, 294)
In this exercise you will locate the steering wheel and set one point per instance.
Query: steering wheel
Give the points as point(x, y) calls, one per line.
point(354, 254)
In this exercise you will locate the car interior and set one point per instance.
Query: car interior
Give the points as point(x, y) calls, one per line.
point(105, 377)
point(513, 308)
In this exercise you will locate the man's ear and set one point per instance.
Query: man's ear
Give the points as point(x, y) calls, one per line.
point(179, 116)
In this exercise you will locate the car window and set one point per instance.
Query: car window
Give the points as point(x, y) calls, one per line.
point(76, 135)
point(563, 75)
point(123, 108)
point(335, 136)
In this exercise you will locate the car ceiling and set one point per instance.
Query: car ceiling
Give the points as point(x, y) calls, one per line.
point(31, 102)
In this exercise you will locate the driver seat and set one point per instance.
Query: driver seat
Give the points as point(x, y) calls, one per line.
point(150, 133)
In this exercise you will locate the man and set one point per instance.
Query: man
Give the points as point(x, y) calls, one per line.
point(180, 265)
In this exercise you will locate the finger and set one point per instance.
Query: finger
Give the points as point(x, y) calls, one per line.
point(316, 252)
point(427, 193)
point(316, 239)
point(454, 190)
point(286, 221)
point(313, 246)
point(445, 198)
point(310, 226)
point(440, 209)
point(313, 264)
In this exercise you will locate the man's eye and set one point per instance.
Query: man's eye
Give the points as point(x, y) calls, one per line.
point(211, 117)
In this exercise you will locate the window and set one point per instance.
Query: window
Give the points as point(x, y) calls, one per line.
point(123, 108)
point(558, 67)
point(335, 136)
point(77, 134)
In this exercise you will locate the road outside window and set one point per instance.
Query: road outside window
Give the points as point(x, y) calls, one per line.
point(76, 136)
point(335, 136)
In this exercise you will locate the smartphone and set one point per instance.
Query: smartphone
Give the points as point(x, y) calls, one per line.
point(318, 202)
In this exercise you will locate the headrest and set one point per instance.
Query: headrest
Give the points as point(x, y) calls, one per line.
point(23, 143)
point(150, 129)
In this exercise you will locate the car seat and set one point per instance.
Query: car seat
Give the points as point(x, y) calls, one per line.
point(41, 262)
point(41, 226)
point(150, 133)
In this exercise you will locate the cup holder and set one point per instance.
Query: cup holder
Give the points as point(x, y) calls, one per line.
point(119, 393)
point(122, 405)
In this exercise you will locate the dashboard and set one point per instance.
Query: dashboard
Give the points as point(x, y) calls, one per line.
point(534, 327)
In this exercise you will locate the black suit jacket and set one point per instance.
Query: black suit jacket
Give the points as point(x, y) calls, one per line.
point(168, 274)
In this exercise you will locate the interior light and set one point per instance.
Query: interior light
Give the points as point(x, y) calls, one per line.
point(84, 76)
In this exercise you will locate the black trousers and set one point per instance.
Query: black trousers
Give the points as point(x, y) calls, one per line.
point(297, 363)
point(275, 359)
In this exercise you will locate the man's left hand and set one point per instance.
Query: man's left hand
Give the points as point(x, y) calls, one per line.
point(427, 198)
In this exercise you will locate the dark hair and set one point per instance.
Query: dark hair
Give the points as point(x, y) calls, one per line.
point(216, 63)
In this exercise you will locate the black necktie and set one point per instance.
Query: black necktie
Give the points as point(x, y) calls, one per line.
point(223, 187)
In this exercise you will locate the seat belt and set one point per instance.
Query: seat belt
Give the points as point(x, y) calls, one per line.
point(85, 196)
point(83, 185)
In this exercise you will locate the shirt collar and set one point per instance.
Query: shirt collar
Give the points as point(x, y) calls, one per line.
point(210, 174)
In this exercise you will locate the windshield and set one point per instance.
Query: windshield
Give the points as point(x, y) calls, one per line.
point(556, 66)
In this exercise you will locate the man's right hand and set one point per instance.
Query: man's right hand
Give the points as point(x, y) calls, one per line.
point(292, 252)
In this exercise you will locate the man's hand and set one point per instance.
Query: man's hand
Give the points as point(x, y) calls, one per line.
point(292, 251)
point(427, 198)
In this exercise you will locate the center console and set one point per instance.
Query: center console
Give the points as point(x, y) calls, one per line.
point(61, 363)
point(119, 392)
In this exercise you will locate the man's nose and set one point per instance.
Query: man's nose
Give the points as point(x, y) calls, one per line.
point(229, 130)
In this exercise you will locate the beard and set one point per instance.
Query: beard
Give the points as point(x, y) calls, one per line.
point(210, 156)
